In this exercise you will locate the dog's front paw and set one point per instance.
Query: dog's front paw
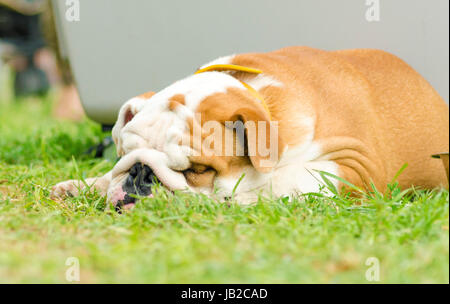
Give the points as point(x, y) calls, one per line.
point(64, 189)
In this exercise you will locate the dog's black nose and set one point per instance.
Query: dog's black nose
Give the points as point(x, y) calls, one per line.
point(139, 182)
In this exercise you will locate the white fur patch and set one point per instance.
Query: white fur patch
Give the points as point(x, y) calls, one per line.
point(248, 188)
point(261, 81)
point(295, 174)
point(197, 87)
point(297, 170)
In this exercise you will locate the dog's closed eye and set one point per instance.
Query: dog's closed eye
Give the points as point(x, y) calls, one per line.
point(197, 168)
point(200, 175)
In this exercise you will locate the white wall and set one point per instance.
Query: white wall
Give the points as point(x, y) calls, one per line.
point(120, 48)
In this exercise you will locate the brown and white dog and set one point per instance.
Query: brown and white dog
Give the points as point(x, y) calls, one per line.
point(358, 114)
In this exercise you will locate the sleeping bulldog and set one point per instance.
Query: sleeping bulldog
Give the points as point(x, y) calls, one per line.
point(263, 123)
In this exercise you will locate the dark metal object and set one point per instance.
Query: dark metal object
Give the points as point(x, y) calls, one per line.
point(444, 157)
point(98, 150)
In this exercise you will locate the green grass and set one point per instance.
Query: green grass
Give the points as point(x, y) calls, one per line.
point(179, 238)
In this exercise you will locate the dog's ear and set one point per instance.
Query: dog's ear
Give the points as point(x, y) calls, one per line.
point(126, 114)
point(263, 142)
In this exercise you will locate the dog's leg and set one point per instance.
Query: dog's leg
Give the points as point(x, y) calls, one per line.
point(73, 187)
point(358, 162)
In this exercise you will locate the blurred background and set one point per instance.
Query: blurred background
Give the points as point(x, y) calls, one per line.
point(115, 49)
point(30, 60)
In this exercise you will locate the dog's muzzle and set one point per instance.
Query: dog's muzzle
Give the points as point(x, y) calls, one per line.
point(138, 183)
point(143, 168)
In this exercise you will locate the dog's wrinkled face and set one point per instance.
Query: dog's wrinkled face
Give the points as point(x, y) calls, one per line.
point(180, 137)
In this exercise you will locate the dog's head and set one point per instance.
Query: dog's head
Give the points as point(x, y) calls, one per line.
point(201, 134)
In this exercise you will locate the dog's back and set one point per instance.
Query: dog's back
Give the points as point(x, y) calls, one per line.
point(413, 117)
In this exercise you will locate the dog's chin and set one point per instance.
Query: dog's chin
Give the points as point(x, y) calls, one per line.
point(126, 205)
point(129, 205)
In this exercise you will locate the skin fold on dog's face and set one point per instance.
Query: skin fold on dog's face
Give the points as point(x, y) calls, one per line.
point(165, 137)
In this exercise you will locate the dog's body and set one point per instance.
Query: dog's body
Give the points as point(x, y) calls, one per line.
point(358, 114)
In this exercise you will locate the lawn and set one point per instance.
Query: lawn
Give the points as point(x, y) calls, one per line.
point(184, 238)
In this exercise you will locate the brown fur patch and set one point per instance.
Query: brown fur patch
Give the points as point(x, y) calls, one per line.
point(176, 101)
point(147, 95)
point(234, 105)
